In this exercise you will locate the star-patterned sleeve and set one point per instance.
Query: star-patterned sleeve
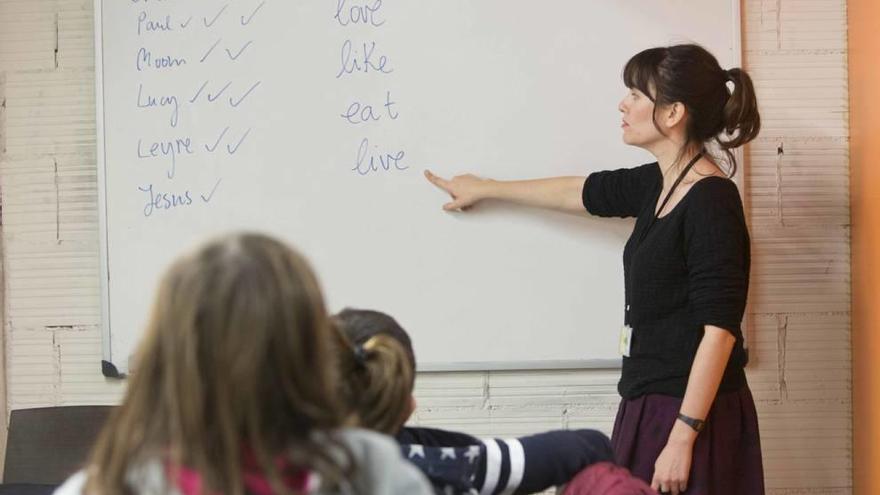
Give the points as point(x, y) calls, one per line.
point(493, 466)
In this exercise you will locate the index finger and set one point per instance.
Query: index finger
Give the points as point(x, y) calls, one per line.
point(437, 181)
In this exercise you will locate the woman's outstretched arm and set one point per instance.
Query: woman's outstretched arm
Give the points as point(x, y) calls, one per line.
point(556, 193)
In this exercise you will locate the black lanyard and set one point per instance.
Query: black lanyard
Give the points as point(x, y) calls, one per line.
point(656, 214)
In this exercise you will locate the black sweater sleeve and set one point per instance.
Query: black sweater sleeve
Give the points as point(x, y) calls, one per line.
point(619, 193)
point(716, 241)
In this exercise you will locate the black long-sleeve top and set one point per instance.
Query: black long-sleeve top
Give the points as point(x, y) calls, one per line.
point(461, 464)
point(688, 270)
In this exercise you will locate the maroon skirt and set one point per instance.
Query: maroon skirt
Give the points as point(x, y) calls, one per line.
point(727, 453)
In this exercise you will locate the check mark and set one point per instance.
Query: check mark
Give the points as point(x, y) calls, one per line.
point(245, 22)
point(212, 21)
point(210, 50)
point(241, 99)
point(199, 92)
point(186, 23)
point(217, 143)
point(212, 98)
point(210, 194)
point(233, 57)
point(232, 149)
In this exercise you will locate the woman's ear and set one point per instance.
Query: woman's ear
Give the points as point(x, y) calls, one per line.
point(673, 114)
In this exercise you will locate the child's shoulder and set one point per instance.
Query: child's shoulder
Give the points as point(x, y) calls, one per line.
point(74, 485)
point(379, 465)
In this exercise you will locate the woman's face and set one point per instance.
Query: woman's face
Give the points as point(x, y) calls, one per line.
point(638, 119)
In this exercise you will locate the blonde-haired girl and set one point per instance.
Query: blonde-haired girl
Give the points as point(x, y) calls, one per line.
point(234, 390)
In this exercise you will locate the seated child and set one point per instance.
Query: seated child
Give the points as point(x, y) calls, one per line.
point(378, 369)
point(605, 478)
point(233, 390)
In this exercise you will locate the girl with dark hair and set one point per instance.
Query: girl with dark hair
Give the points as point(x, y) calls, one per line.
point(235, 390)
point(378, 371)
point(687, 421)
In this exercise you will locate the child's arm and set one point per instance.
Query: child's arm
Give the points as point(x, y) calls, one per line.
point(433, 437)
point(524, 465)
point(555, 457)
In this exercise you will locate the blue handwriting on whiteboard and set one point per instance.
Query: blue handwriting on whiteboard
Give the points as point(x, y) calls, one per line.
point(163, 200)
point(245, 22)
point(145, 60)
point(210, 148)
point(237, 102)
point(147, 25)
point(150, 101)
point(212, 21)
point(352, 61)
point(196, 96)
point(210, 194)
point(217, 94)
point(172, 148)
point(205, 56)
point(233, 148)
point(358, 112)
point(239, 52)
point(358, 14)
point(369, 162)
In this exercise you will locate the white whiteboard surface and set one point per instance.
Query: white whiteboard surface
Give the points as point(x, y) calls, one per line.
point(253, 97)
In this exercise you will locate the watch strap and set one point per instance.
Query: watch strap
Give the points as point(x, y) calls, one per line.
point(696, 424)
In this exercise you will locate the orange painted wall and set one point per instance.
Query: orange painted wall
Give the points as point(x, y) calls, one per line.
point(864, 86)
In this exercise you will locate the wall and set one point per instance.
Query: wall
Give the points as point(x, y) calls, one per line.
point(798, 196)
point(864, 76)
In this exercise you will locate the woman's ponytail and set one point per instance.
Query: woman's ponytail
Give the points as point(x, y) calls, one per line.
point(741, 120)
point(691, 75)
point(741, 111)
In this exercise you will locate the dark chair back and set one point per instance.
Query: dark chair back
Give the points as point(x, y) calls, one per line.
point(46, 445)
point(27, 489)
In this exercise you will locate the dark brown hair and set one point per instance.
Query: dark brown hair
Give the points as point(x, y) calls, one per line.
point(238, 356)
point(691, 75)
point(377, 365)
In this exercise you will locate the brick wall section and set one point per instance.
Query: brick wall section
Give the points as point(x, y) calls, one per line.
point(797, 195)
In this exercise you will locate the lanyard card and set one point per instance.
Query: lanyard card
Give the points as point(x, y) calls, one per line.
point(625, 343)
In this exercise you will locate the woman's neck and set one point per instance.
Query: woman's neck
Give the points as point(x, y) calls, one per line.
point(672, 159)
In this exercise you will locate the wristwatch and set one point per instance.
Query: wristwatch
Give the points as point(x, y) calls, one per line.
point(696, 424)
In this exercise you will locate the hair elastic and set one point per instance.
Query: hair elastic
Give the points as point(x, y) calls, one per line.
point(360, 355)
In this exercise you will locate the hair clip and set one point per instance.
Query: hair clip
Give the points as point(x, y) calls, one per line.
point(360, 355)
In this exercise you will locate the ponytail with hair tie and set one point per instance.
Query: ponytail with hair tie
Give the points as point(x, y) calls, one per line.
point(360, 355)
point(689, 74)
point(377, 383)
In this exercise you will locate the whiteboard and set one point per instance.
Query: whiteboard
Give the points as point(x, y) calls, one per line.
point(313, 121)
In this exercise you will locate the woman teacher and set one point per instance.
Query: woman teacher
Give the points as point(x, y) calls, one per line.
point(687, 421)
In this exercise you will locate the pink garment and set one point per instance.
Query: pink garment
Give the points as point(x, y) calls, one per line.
point(605, 478)
point(189, 481)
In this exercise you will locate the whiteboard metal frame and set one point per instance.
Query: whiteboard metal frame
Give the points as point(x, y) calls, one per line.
point(592, 364)
point(108, 367)
point(106, 334)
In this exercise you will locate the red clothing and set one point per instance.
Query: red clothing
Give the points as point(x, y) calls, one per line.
point(605, 478)
point(189, 481)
